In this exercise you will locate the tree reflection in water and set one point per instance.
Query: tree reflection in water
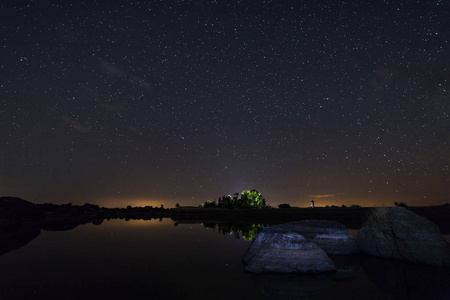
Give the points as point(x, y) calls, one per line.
point(248, 231)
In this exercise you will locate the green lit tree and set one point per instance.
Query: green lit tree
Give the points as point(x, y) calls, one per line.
point(247, 199)
point(253, 199)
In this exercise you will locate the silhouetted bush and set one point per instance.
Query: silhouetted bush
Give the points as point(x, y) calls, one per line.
point(354, 206)
point(284, 205)
point(401, 204)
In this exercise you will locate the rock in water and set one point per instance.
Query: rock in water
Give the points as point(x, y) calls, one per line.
point(406, 236)
point(333, 237)
point(283, 251)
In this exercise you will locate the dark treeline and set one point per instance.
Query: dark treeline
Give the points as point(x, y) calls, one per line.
point(14, 211)
point(80, 214)
point(51, 216)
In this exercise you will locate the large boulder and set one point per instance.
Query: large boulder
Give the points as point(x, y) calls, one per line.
point(401, 234)
point(333, 237)
point(283, 251)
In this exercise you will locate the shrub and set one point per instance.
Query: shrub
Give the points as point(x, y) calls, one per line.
point(401, 204)
point(284, 205)
point(209, 204)
point(354, 206)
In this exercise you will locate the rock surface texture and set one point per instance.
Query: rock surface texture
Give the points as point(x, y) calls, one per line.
point(406, 236)
point(333, 237)
point(280, 250)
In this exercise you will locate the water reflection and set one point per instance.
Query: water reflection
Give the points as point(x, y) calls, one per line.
point(247, 231)
point(294, 286)
point(156, 259)
point(13, 237)
point(347, 266)
point(400, 280)
point(383, 278)
point(322, 286)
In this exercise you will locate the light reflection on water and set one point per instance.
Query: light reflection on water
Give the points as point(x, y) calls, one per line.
point(157, 260)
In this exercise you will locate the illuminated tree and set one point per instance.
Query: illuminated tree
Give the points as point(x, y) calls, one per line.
point(247, 199)
point(252, 199)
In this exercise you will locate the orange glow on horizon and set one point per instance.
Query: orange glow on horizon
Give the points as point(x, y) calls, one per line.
point(137, 223)
point(330, 200)
point(320, 200)
point(134, 202)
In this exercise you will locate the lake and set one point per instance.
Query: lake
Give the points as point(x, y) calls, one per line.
point(158, 260)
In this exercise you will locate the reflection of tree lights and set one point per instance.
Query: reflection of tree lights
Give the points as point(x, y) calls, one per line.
point(247, 231)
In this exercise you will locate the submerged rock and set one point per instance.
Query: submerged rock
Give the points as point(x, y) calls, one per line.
point(283, 251)
point(347, 266)
point(401, 234)
point(333, 237)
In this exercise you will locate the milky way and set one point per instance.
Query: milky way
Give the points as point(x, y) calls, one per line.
point(149, 102)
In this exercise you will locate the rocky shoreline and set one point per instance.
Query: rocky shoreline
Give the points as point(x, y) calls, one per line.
point(304, 246)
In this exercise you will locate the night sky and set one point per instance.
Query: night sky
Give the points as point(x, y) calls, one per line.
point(156, 102)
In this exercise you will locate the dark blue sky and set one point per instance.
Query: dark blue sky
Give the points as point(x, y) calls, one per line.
point(150, 102)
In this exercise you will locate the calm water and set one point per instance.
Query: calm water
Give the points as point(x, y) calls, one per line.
point(156, 260)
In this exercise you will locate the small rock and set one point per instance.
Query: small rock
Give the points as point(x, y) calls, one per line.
point(280, 250)
point(333, 237)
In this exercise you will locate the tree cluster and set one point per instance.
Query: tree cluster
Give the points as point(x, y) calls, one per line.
point(247, 199)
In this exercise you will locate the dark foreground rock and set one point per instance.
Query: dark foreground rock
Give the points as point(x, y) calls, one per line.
point(283, 251)
point(403, 235)
point(333, 237)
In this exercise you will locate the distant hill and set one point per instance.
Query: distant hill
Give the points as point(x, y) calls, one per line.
point(14, 208)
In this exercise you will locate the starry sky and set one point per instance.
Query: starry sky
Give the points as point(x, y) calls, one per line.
point(156, 102)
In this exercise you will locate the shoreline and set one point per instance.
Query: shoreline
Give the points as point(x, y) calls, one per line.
point(60, 217)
